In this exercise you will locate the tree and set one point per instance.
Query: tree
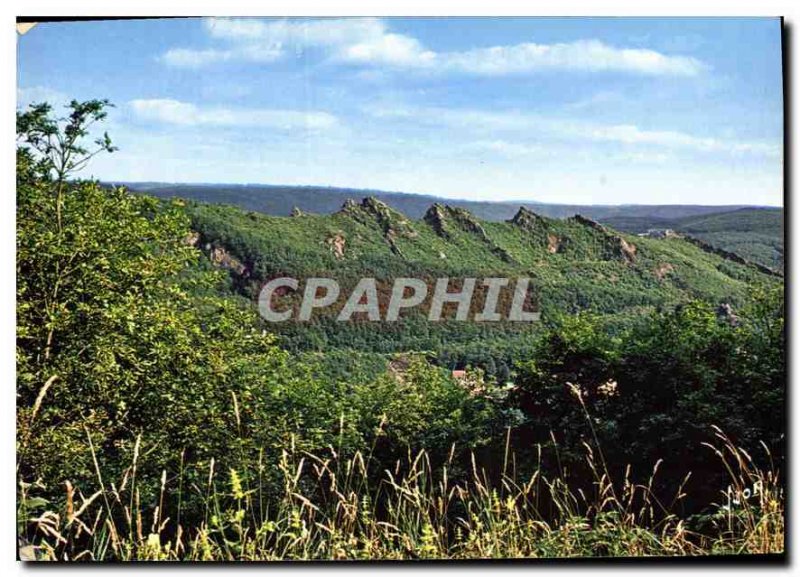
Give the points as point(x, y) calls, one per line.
point(55, 146)
point(119, 332)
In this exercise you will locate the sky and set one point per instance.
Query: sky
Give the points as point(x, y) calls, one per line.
point(560, 110)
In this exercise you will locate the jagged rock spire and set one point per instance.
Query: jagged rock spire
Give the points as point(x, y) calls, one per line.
point(525, 218)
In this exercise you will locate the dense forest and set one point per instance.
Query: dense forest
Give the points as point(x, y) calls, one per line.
point(159, 417)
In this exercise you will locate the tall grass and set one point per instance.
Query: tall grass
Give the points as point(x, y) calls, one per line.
point(334, 507)
point(330, 508)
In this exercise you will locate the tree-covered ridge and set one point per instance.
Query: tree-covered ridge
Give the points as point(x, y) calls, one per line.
point(574, 263)
point(755, 233)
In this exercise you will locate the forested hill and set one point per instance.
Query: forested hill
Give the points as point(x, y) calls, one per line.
point(279, 200)
point(755, 233)
point(575, 263)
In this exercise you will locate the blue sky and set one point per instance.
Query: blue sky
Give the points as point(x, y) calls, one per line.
point(603, 111)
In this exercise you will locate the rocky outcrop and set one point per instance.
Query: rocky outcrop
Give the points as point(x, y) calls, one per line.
point(218, 255)
point(337, 245)
point(528, 219)
point(442, 217)
point(468, 222)
point(531, 222)
point(435, 216)
point(296, 212)
point(372, 211)
point(617, 246)
point(349, 207)
point(192, 239)
point(391, 221)
point(660, 233)
point(555, 244)
point(725, 314)
point(662, 270)
point(580, 219)
point(627, 249)
point(222, 258)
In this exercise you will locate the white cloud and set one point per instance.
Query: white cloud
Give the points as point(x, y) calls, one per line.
point(389, 49)
point(368, 41)
point(253, 40)
point(186, 114)
point(38, 94)
point(527, 125)
point(316, 32)
point(630, 134)
point(583, 55)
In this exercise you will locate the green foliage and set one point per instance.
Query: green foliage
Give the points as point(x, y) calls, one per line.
point(105, 317)
point(56, 143)
point(126, 339)
point(137, 356)
point(116, 344)
point(574, 267)
point(753, 233)
point(657, 388)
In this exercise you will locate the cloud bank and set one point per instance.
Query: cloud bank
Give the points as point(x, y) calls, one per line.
point(369, 42)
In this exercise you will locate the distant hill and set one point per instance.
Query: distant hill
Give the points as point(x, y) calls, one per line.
point(279, 200)
point(575, 264)
point(754, 232)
